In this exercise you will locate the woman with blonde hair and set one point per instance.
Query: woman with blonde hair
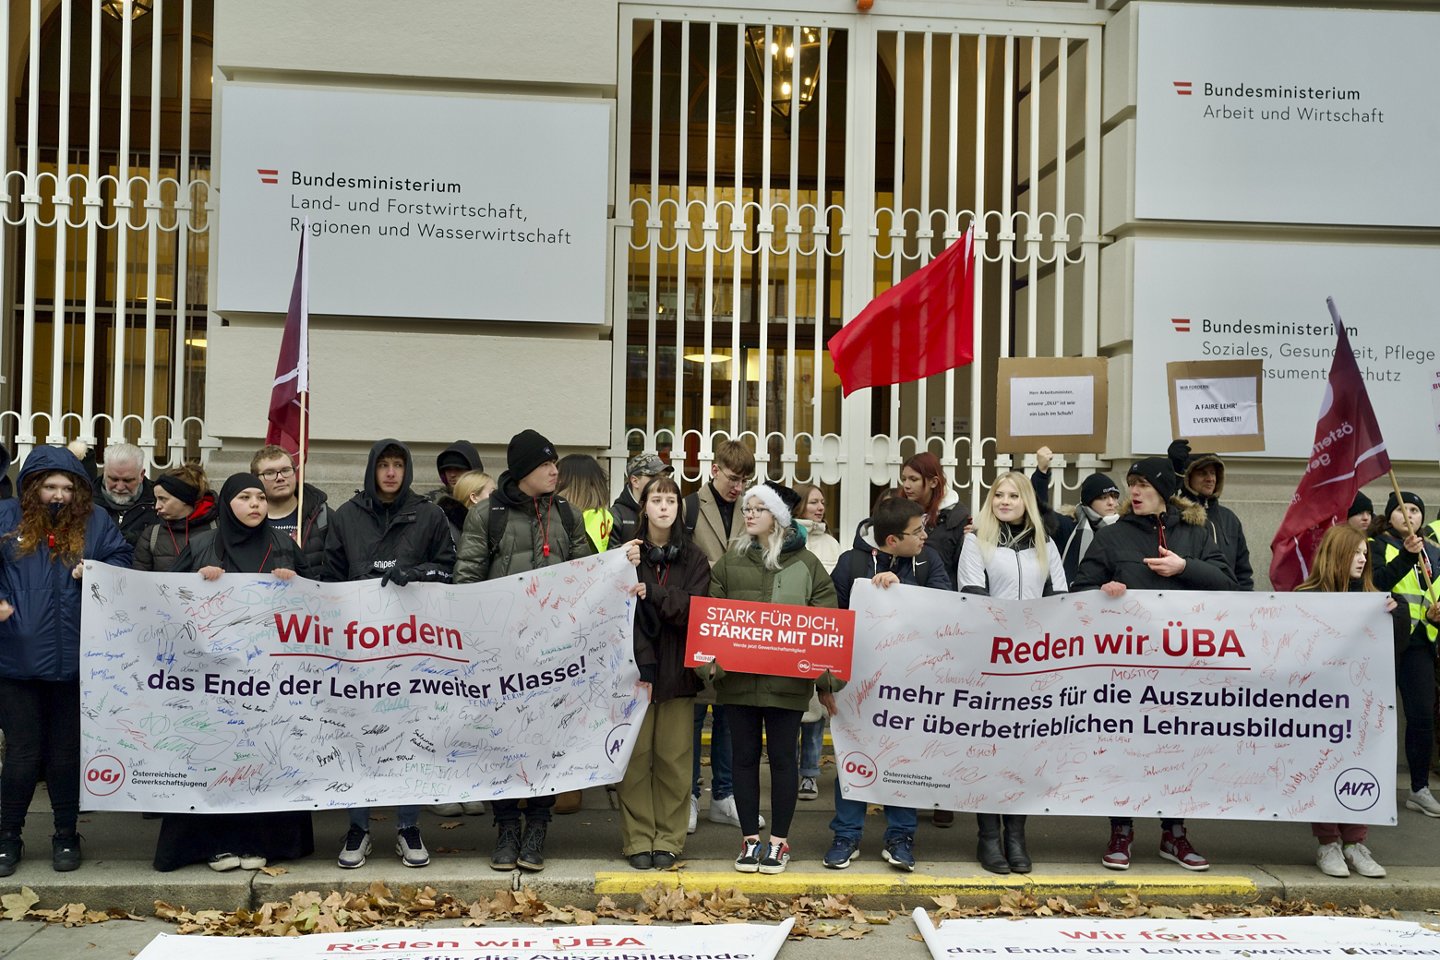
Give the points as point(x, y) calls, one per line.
point(473, 486)
point(1008, 556)
point(583, 482)
point(1343, 564)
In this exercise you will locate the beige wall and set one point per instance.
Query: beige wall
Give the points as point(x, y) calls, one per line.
point(427, 382)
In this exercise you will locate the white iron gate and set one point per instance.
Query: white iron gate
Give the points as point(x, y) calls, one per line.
point(783, 169)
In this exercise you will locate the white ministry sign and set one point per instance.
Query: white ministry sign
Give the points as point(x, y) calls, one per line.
point(419, 205)
point(1239, 706)
point(1343, 938)
point(1254, 113)
point(1204, 300)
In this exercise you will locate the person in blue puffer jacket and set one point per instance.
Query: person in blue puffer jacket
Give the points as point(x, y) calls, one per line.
point(50, 530)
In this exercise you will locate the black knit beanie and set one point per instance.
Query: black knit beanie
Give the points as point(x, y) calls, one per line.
point(528, 450)
point(1160, 474)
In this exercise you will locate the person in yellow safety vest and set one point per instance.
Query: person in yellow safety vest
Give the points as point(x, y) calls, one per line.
point(1400, 555)
point(1432, 532)
point(583, 482)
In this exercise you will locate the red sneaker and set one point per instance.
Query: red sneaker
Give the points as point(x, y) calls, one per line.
point(1175, 846)
point(1117, 855)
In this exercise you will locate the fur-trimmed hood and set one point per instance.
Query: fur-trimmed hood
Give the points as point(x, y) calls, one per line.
point(1198, 460)
point(1188, 511)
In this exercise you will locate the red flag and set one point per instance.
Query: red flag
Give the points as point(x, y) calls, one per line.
point(288, 428)
point(1348, 453)
point(921, 326)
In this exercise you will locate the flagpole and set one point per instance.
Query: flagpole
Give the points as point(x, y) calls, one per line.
point(300, 473)
point(1424, 565)
point(303, 372)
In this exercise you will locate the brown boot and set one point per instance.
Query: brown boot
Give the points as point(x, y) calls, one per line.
point(567, 802)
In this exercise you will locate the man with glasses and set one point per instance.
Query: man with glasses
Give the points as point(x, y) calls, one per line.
point(713, 519)
point(889, 549)
point(276, 470)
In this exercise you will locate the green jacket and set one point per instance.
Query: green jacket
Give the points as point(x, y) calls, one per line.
point(801, 581)
point(534, 535)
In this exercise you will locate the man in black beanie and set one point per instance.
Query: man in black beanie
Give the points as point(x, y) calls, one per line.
point(1362, 512)
point(524, 525)
point(1160, 542)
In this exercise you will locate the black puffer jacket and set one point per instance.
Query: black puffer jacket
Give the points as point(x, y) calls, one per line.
point(627, 518)
point(948, 536)
point(162, 542)
point(663, 617)
point(1118, 552)
point(1225, 527)
point(367, 536)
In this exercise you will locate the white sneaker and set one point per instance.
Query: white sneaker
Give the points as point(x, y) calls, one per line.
point(472, 808)
point(723, 811)
point(1423, 801)
point(1331, 861)
point(694, 813)
point(1360, 860)
point(445, 809)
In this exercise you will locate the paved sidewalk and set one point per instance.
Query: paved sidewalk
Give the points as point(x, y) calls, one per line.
point(1252, 861)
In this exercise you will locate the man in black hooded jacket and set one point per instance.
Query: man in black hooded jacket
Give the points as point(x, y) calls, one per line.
point(1202, 479)
point(524, 525)
point(452, 463)
point(388, 531)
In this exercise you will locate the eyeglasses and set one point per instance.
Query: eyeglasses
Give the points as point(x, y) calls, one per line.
point(754, 511)
point(729, 477)
point(921, 534)
point(277, 474)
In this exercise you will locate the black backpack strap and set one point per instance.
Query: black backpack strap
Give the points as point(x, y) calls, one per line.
point(496, 520)
point(692, 513)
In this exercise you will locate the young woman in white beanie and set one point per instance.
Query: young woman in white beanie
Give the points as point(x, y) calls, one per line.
point(768, 564)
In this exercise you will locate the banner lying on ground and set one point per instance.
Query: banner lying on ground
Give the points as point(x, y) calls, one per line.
point(249, 693)
point(1281, 937)
point(733, 941)
point(1226, 705)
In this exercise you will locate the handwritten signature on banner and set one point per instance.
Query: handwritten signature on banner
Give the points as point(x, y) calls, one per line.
point(1226, 705)
point(252, 693)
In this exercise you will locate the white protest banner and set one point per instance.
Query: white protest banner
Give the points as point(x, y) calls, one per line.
point(1219, 407)
point(1045, 406)
point(1435, 405)
point(731, 941)
point(250, 693)
point(1225, 705)
point(1341, 937)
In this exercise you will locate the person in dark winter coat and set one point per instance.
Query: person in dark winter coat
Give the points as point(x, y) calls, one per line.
point(1362, 512)
point(387, 530)
point(451, 464)
point(241, 542)
point(1099, 506)
point(7, 490)
point(391, 532)
point(523, 526)
point(768, 565)
point(947, 517)
point(48, 533)
point(639, 471)
point(276, 469)
point(655, 793)
point(1160, 542)
point(891, 549)
point(184, 506)
point(123, 490)
point(1202, 479)
point(1400, 558)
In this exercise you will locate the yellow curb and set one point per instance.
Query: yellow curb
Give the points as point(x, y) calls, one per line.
point(1041, 885)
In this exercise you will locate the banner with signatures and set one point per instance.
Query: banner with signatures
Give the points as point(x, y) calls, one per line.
point(251, 693)
point(1245, 706)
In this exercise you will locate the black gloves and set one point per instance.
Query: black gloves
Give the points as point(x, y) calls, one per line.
point(397, 575)
point(1179, 454)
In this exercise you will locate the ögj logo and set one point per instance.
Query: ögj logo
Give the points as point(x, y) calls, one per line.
point(857, 769)
point(104, 775)
point(1357, 789)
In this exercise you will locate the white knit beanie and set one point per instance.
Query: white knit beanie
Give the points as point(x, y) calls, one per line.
point(766, 494)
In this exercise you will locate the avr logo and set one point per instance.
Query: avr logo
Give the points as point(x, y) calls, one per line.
point(104, 775)
point(1357, 789)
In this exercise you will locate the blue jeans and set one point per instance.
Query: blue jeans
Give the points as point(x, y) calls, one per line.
point(849, 821)
point(812, 741)
point(404, 817)
point(721, 783)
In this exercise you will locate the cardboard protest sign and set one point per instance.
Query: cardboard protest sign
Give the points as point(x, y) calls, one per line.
point(1057, 402)
point(770, 638)
point(1218, 403)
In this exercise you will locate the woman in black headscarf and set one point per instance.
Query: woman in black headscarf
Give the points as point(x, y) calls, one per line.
point(241, 543)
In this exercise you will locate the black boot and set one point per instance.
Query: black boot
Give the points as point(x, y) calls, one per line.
point(1015, 851)
point(532, 846)
point(11, 850)
point(989, 852)
point(65, 855)
point(507, 847)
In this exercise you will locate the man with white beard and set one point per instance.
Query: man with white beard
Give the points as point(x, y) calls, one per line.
point(124, 492)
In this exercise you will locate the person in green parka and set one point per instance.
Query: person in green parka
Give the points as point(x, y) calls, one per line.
point(768, 564)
